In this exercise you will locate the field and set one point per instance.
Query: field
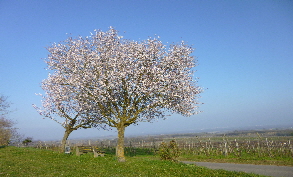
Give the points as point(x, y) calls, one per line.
point(39, 162)
point(251, 147)
point(270, 147)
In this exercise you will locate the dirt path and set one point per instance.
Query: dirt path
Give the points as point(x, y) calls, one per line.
point(268, 170)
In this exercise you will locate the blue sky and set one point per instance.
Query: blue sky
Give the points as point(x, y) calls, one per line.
point(244, 50)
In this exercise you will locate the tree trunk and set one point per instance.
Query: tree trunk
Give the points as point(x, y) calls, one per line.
point(120, 144)
point(63, 142)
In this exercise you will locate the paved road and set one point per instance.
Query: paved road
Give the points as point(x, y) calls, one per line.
point(268, 170)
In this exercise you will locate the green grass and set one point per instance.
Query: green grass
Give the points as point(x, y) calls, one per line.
point(216, 155)
point(35, 162)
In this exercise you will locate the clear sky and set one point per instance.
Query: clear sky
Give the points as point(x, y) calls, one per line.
point(244, 50)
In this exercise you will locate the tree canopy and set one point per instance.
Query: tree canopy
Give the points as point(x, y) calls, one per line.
point(122, 81)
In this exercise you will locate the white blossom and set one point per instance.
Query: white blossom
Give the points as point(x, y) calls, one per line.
point(121, 81)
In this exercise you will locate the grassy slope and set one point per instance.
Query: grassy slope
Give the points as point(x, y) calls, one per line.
point(36, 162)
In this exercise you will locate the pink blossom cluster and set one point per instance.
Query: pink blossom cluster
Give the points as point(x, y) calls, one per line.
point(112, 80)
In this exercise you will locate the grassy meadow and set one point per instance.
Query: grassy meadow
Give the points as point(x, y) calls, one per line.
point(17, 161)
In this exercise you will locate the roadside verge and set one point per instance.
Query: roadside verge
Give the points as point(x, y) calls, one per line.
point(268, 170)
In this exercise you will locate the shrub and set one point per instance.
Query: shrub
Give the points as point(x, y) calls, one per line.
point(27, 141)
point(169, 151)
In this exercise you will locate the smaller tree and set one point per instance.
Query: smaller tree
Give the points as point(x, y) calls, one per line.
point(7, 132)
point(67, 110)
point(27, 141)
